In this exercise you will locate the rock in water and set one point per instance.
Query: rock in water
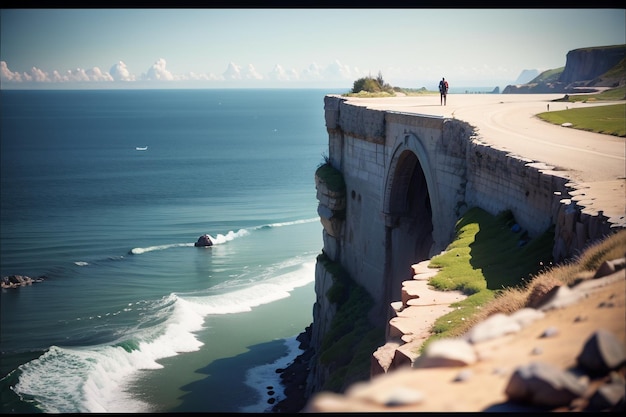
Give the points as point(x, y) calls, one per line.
point(203, 240)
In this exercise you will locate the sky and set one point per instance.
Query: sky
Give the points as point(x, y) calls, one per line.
point(291, 48)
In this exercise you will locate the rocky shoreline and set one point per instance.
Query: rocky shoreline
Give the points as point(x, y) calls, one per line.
point(16, 281)
point(294, 376)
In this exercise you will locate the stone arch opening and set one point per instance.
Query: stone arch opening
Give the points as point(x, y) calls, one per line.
point(410, 220)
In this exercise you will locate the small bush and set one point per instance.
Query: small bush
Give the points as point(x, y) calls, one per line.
point(332, 177)
point(372, 85)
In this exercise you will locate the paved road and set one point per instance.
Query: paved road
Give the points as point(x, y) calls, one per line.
point(596, 163)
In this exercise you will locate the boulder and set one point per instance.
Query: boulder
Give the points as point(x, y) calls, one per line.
point(204, 240)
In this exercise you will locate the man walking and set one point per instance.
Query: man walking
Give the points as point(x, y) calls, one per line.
point(443, 91)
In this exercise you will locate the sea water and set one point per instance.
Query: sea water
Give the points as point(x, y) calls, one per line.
point(131, 316)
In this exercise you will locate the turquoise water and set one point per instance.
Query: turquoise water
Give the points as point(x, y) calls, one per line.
point(131, 317)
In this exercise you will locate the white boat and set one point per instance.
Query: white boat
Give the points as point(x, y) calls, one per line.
point(142, 148)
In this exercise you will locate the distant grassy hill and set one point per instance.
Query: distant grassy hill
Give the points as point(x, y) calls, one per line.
point(548, 76)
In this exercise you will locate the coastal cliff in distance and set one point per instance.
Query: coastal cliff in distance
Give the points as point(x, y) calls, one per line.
point(586, 70)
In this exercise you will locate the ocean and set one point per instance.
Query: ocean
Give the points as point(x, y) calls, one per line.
point(104, 193)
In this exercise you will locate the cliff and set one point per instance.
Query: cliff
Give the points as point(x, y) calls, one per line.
point(589, 65)
point(585, 70)
point(391, 190)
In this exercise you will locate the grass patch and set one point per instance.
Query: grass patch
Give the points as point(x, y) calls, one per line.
point(406, 91)
point(478, 306)
point(347, 346)
point(580, 268)
point(609, 119)
point(489, 255)
point(370, 94)
point(358, 367)
point(332, 177)
point(416, 91)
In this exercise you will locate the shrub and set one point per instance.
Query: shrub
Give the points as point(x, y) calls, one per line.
point(372, 85)
point(366, 84)
point(332, 177)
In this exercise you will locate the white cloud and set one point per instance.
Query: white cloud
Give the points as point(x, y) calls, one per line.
point(120, 72)
point(56, 77)
point(39, 76)
point(251, 73)
point(338, 71)
point(95, 74)
point(201, 77)
point(6, 75)
point(35, 74)
point(278, 73)
point(312, 73)
point(233, 72)
point(77, 75)
point(335, 72)
point(158, 72)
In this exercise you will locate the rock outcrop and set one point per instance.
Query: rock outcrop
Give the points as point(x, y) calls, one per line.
point(203, 241)
point(332, 203)
point(15, 281)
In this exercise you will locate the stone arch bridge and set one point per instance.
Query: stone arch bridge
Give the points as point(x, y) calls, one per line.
point(408, 179)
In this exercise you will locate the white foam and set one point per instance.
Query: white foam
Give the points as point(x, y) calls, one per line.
point(220, 238)
point(96, 378)
point(264, 376)
point(311, 220)
point(139, 251)
point(263, 292)
point(102, 372)
point(54, 377)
